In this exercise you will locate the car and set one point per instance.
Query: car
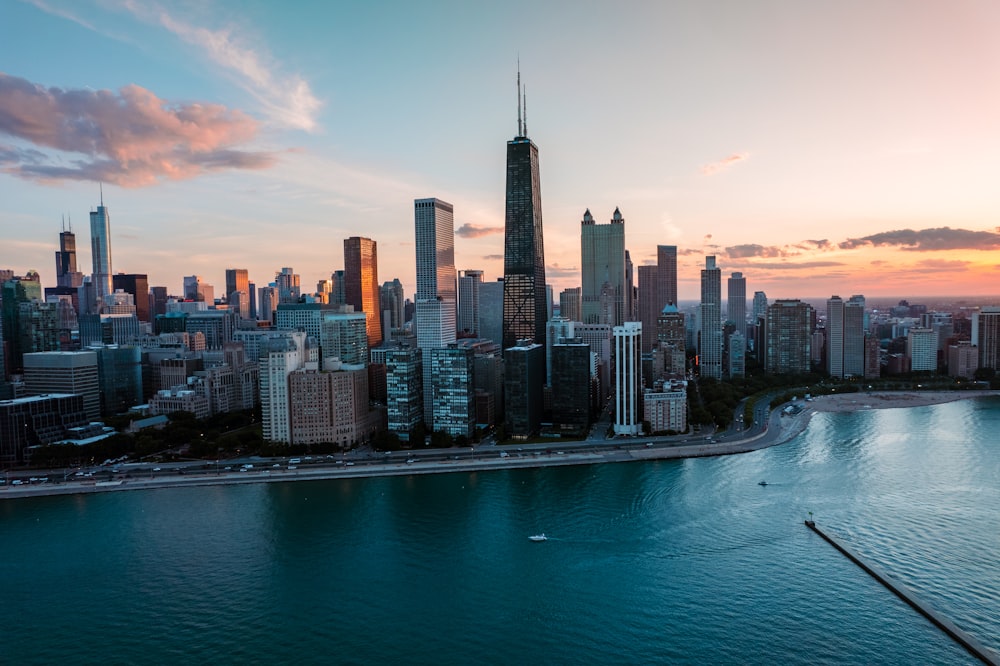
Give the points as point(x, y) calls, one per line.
point(276, 465)
point(156, 469)
point(292, 467)
point(228, 468)
point(410, 460)
point(350, 464)
point(504, 454)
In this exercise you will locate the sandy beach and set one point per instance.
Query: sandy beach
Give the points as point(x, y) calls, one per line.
point(852, 402)
point(780, 428)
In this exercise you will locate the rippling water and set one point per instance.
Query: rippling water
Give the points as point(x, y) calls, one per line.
point(670, 561)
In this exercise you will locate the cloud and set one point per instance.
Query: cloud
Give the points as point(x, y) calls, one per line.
point(929, 240)
point(473, 231)
point(131, 138)
point(783, 266)
point(823, 244)
point(493, 257)
point(724, 164)
point(557, 271)
point(287, 98)
point(943, 266)
point(754, 250)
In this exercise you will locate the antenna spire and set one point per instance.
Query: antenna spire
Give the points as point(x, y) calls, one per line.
point(520, 125)
point(525, 105)
point(101, 185)
point(64, 222)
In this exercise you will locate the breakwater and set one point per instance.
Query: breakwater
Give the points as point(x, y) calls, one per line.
point(978, 650)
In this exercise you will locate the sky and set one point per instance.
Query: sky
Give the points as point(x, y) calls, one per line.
point(846, 147)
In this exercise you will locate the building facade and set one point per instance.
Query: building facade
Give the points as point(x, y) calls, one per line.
point(788, 333)
point(710, 345)
point(524, 293)
point(100, 252)
point(602, 267)
point(361, 286)
point(628, 378)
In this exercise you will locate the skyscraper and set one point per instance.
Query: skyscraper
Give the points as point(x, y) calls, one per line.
point(835, 336)
point(602, 267)
point(136, 284)
point(788, 335)
point(468, 301)
point(845, 337)
point(854, 336)
point(666, 266)
point(434, 230)
point(570, 304)
point(759, 306)
point(238, 292)
point(524, 294)
point(361, 283)
point(100, 248)
point(710, 348)
point(66, 273)
point(392, 301)
point(649, 310)
point(736, 303)
point(289, 284)
point(196, 289)
point(628, 378)
point(986, 336)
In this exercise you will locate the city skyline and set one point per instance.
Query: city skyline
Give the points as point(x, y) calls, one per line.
point(764, 136)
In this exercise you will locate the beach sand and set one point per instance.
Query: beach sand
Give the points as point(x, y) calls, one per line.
point(852, 402)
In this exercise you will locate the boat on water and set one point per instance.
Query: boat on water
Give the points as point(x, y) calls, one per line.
point(538, 537)
point(762, 483)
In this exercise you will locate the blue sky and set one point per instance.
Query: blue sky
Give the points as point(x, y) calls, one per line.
point(811, 146)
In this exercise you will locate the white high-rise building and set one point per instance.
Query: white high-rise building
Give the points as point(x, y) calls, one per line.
point(628, 378)
point(434, 319)
point(710, 349)
point(284, 354)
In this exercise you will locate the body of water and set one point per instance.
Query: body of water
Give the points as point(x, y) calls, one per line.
point(687, 561)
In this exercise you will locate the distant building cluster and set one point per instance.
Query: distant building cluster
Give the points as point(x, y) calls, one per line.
point(355, 359)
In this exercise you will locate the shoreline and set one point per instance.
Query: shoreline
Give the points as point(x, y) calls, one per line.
point(780, 429)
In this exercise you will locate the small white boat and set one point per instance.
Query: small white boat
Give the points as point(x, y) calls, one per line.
point(538, 537)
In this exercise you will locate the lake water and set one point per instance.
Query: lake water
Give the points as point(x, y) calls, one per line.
point(687, 561)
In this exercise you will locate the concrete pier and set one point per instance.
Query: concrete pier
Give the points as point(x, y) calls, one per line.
point(978, 650)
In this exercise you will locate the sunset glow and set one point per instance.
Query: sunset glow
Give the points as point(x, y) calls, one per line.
point(845, 148)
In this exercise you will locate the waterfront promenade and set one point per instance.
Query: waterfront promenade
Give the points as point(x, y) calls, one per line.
point(778, 428)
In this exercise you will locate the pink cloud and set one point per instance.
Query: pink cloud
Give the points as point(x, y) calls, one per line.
point(723, 164)
point(131, 138)
point(474, 231)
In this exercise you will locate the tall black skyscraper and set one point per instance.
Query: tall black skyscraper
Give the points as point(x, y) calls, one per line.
point(524, 294)
point(66, 273)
